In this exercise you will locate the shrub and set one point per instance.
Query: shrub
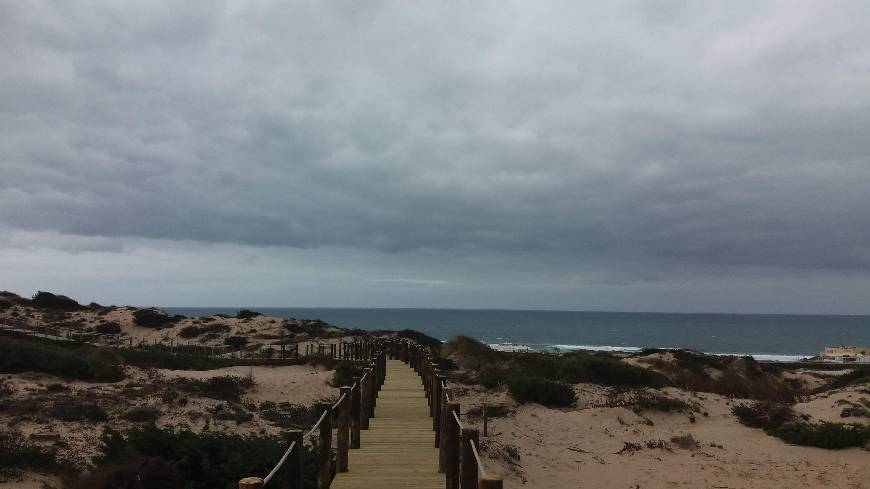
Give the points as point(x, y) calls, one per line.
point(204, 460)
point(56, 387)
point(763, 414)
point(142, 414)
point(287, 415)
point(108, 328)
point(541, 391)
point(71, 410)
point(247, 314)
point(236, 341)
point(17, 454)
point(640, 400)
point(344, 374)
point(685, 441)
point(226, 387)
point(64, 360)
point(193, 330)
point(824, 435)
point(859, 375)
point(5, 304)
point(48, 300)
point(492, 376)
point(433, 344)
point(231, 413)
point(153, 318)
point(609, 372)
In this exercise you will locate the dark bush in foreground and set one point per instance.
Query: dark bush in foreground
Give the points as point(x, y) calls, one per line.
point(52, 301)
point(108, 328)
point(288, 415)
point(225, 387)
point(236, 341)
point(75, 361)
point(153, 318)
point(247, 314)
point(194, 330)
point(824, 435)
point(142, 414)
point(606, 371)
point(344, 374)
point(17, 454)
point(204, 460)
point(541, 391)
point(421, 338)
point(763, 414)
point(72, 410)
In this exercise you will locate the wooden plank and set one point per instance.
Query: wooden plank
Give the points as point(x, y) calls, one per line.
point(397, 451)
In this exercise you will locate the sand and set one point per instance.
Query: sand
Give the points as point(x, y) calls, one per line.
point(578, 447)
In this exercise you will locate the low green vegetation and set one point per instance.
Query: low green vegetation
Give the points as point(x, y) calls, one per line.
point(64, 359)
point(639, 400)
point(344, 374)
point(108, 328)
point(288, 415)
point(153, 318)
point(142, 414)
point(154, 358)
point(860, 375)
point(74, 410)
point(236, 342)
point(764, 414)
point(225, 387)
point(48, 300)
point(541, 391)
point(206, 460)
point(781, 421)
point(607, 371)
point(247, 314)
point(17, 454)
point(823, 435)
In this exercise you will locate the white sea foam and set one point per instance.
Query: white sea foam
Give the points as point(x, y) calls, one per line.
point(517, 347)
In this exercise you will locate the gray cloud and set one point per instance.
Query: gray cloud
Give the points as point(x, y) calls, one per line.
point(638, 139)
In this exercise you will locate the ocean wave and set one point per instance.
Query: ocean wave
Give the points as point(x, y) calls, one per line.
point(519, 347)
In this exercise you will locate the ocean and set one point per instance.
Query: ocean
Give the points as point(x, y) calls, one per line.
point(764, 336)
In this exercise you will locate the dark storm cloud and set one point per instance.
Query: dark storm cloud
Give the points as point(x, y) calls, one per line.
point(665, 133)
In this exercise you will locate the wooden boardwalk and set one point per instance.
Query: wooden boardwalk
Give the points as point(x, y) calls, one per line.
point(398, 450)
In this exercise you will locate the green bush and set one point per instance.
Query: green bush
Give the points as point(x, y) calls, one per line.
point(859, 375)
point(108, 328)
point(5, 304)
point(824, 435)
point(225, 387)
point(288, 415)
point(344, 374)
point(17, 454)
point(641, 400)
point(763, 414)
point(153, 318)
point(491, 376)
point(56, 358)
point(541, 391)
point(608, 372)
point(142, 414)
point(48, 300)
point(194, 330)
point(236, 341)
point(206, 460)
point(247, 314)
point(72, 410)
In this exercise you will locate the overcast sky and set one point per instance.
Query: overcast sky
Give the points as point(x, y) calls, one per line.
point(641, 156)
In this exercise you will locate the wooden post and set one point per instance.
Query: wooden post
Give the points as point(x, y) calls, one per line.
point(251, 483)
point(485, 419)
point(468, 469)
point(342, 436)
point(365, 402)
point(489, 483)
point(293, 464)
point(373, 385)
point(324, 458)
point(355, 414)
point(452, 442)
point(441, 435)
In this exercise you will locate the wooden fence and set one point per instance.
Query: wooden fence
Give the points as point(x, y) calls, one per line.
point(459, 454)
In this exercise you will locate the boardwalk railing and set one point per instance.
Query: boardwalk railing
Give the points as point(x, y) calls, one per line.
point(349, 415)
point(458, 446)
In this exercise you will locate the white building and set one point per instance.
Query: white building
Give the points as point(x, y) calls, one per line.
point(846, 354)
